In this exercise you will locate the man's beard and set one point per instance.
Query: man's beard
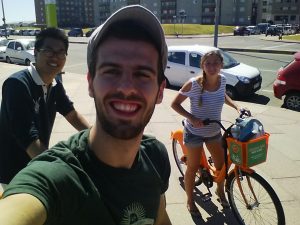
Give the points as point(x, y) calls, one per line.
point(123, 129)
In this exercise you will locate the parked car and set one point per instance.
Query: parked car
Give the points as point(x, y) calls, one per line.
point(184, 63)
point(20, 51)
point(287, 30)
point(253, 29)
point(75, 32)
point(263, 27)
point(3, 45)
point(89, 32)
point(287, 84)
point(273, 30)
point(26, 32)
point(34, 32)
point(4, 33)
point(241, 31)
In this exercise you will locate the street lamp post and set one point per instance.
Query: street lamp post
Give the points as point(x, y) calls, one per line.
point(174, 20)
point(4, 24)
point(217, 16)
point(182, 17)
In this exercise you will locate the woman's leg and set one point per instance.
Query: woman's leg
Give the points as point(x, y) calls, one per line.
point(193, 163)
point(217, 153)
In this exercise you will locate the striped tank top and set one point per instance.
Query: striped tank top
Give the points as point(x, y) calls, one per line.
point(211, 107)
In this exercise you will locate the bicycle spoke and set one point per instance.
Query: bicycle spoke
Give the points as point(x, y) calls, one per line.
point(266, 209)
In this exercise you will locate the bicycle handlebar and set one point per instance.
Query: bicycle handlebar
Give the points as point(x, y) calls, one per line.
point(243, 113)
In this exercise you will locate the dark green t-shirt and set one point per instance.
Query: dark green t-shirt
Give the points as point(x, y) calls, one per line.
point(76, 188)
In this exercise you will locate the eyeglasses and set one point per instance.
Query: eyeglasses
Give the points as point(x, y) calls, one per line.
point(50, 53)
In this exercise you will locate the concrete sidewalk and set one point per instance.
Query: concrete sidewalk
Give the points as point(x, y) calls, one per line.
point(282, 169)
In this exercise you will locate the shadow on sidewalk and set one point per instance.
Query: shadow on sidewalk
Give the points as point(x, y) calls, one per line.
point(216, 216)
point(257, 98)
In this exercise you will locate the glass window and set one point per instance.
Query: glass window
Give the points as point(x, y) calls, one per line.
point(195, 60)
point(18, 45)
point(228, 61)
point(11, 45)
point(177, 57)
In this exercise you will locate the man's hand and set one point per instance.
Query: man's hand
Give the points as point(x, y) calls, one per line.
point(35, 148)
point(162, 215)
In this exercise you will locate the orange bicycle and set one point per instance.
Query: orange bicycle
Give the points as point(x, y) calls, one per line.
point(251, 197)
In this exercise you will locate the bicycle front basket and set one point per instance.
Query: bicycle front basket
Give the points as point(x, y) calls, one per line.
point(249, 153)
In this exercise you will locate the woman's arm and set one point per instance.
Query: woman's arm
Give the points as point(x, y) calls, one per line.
point(231, 103)
point(176, 105)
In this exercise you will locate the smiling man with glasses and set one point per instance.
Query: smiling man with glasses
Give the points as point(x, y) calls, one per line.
point(30, 100)
point(51, 53)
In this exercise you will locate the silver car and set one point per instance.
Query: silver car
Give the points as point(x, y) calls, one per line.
point(3, 45)
point(20, 51)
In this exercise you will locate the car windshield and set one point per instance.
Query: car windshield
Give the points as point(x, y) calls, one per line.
point(228, 60)
point(29, 45)
point(3, 42)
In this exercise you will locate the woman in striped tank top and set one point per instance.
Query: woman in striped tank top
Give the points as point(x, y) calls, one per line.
point(207, 97)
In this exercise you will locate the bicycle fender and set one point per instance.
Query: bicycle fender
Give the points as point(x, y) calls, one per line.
point(178, 135)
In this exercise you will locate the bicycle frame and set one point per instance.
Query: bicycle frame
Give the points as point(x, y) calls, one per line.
point(250, 195)
point(217, 176)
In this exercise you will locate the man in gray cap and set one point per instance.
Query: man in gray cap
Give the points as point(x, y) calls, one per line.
point(111, 173)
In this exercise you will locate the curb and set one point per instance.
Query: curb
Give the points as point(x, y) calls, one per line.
point(260, 50)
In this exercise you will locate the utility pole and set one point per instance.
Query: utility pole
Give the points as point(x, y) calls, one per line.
point(217, 16)
point(4, 24)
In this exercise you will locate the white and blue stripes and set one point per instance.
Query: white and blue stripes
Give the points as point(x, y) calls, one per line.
point(211, 107)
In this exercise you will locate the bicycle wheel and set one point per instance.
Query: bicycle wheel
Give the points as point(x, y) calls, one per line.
point(181, 161)
point(266, 210)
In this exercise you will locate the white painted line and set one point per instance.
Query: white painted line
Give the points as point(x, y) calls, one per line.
point(274, 71)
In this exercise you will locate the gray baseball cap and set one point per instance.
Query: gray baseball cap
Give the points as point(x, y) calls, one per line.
point(138, 14)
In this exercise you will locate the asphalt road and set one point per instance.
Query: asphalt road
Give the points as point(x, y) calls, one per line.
point(268, 64)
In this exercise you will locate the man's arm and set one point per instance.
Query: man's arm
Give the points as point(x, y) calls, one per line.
point(162, 215)
point(77, 120)
point(35, 148)
point(22, 209)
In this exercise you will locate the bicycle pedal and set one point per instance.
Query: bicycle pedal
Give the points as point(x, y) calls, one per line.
point(206, 197)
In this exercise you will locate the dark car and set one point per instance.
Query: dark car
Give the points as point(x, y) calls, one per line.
point(241, 31)
point(89, 32)
point(75, 32)
point(273, 31)
point(287, 84)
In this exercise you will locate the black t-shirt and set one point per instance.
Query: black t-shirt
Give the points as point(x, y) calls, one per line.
point(25, 117)
point(76, 188)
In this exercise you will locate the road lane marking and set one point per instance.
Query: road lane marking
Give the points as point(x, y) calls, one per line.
point(275, 71)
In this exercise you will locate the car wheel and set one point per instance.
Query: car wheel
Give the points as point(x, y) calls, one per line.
point(8, 60)
point(27, 62)
point(231, 92)
point(292, 101)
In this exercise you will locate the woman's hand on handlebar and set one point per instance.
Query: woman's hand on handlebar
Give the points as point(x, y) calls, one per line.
point(243, 111)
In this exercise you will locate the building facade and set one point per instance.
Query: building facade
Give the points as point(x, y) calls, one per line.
point(280, 11)
point(89, 13)
point(70, 13)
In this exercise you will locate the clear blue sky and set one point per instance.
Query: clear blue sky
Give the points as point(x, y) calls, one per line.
point(18, 11)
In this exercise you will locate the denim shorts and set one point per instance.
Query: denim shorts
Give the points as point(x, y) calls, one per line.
point(193, 140)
